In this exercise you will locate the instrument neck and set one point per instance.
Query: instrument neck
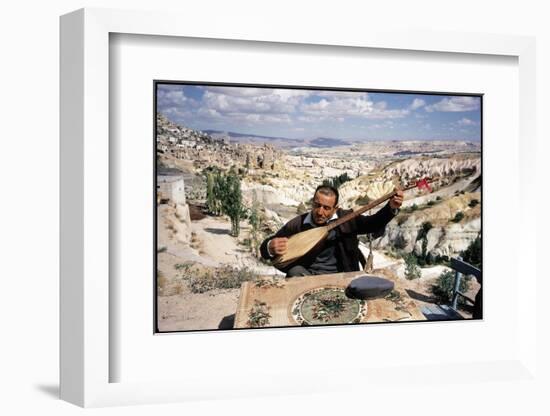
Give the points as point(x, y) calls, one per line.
point(365, 208)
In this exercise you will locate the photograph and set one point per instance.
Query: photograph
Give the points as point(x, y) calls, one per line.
point(282, 206)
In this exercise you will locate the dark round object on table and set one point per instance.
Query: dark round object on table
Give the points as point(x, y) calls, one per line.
point(369, 287)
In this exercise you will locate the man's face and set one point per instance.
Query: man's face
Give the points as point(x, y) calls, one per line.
point(324, 206)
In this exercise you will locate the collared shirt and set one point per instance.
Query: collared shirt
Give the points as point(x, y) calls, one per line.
point(309, 219)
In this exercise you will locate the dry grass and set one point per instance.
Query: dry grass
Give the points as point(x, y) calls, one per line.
point(201, 279)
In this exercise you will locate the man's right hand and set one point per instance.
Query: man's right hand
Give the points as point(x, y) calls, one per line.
point(277, 246)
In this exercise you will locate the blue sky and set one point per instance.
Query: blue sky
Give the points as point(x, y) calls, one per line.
point(300, 113)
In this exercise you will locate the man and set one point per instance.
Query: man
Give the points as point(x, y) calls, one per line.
point(340, 251)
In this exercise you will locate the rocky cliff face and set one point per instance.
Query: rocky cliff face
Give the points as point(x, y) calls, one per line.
point(439, 167)
point(451, 226)
point(452, 210)
point(451, 174)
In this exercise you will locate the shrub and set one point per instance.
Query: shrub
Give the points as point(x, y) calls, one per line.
point(473, 203)
point(423, 232)
point(412, 271)
point(443, 289)
point(182, 266)
point(458, 216)
point(472, 254)
point(399, 242)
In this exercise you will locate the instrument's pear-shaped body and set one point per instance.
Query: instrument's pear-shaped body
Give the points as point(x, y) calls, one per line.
point(299, 245)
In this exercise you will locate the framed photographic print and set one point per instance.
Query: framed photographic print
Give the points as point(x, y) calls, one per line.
point(257, 161)
point(161, 123)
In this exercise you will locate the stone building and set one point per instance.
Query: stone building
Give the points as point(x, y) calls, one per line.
point(170, 186)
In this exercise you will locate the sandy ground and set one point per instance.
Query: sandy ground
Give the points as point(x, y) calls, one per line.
point(212, 246)
point(196, 311)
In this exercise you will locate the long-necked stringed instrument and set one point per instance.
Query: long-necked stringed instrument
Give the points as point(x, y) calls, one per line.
point(300, 244)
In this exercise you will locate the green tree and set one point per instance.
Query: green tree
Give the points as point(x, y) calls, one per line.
point(423, 232)
point(231, 200)
point(423, 235)
point(336, 181)
point(443, 289)
point(412, 271)
point(214, 192)
point(472, 254)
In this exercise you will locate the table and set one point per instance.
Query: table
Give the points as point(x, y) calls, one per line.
point(274, 302)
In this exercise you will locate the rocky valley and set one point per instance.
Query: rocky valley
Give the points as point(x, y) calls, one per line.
point(280, 180)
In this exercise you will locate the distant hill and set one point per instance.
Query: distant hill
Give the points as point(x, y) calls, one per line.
point(237, 136)
point(278, 141)
point(327, 142)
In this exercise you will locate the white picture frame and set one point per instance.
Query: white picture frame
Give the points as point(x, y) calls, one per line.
point(86, 356)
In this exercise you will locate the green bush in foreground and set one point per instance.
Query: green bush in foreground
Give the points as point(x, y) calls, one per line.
point(412, 271)
point(472, 254)
point(443, 289)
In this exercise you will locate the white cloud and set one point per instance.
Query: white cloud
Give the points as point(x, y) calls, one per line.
point(342, 94)
point(417, 103)
point(253, 100)
point(238, 91)
point(170, 96)
point(455, 104)
point(310, 119)
point(351, 107)
point(254, 118)
point(175, 113)
point(466, 122)
point(286, 95)
point(209, 113)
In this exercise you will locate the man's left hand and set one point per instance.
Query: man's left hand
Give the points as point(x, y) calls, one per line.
point(397, 199)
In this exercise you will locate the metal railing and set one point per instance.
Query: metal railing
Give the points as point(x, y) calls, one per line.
point(462, 268)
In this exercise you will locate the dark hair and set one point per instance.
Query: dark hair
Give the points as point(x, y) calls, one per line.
point(328, 190)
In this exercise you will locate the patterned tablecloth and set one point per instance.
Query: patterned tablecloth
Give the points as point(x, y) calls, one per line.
point(318, 300)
